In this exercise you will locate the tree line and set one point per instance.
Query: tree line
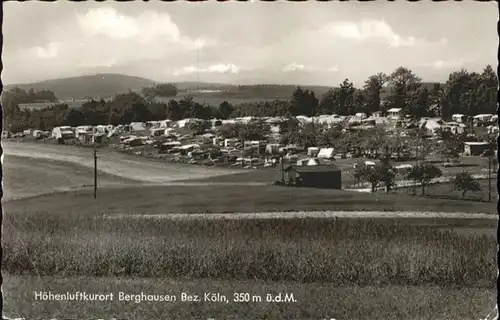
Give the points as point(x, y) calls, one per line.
point(465, 92)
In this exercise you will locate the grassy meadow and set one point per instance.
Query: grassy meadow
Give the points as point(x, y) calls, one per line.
point(233, 198)
point(446, 191)
point(399, 269)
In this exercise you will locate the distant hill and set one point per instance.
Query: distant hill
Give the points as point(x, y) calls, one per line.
point(98, 85)
point(107, 85)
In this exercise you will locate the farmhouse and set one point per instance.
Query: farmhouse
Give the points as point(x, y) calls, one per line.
point(315, 176)
point(475, 148)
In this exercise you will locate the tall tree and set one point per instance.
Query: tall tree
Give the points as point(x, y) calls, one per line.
point(225, 109)
point(488, 91)
point(372, 88)
point(418, 103)
point(460, 94)
point(304, 102)
point(341, 100)
point(327, 103)
point(423, 174)
point(404, 83)
point(465, 182)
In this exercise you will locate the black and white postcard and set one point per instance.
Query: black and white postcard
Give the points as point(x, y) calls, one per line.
point(249, 160)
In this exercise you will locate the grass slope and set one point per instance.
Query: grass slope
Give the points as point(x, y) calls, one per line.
point(217, 198)
point(24, 177)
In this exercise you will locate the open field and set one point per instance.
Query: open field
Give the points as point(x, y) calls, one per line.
point(112, 162)
point(64, 242)
point(314, 301)
point(396, 260)
point(25, 177)
point(214, 99)
point(446, 191)
point(235, 198)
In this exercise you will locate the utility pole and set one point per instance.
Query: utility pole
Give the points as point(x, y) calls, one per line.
point(416, 164)
point(282, 170)
point(95, 172)
point(489, 177)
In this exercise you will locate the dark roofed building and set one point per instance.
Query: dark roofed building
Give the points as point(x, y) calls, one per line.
point(315, 176)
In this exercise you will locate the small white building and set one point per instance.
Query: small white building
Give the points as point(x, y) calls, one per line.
point(482, 118)
point(230, 143)
point(37, 133)
point(402, 168)
point(395, 114)
point(189, 148)
point(454, 127)
point(206, 138)
point(273, 148)
point(460, 118)
point(312, 151)
point(475, 148)
point(137, 126)
point(431, 125)
point(63, 132)
point(360, 115)
point(326, 153)
point(309, 162)
point(492, 129)
point(157, 132)
point(132, 141)
point(101, 129)
point(185, 122)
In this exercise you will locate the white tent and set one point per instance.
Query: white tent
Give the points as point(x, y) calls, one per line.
point(326, 153)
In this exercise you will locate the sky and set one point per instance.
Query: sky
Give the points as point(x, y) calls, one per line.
point(310, 43)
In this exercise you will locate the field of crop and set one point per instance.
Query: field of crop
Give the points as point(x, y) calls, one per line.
point(215, 100)
point(342, 268)
point(348, 257)
point(337, 251)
